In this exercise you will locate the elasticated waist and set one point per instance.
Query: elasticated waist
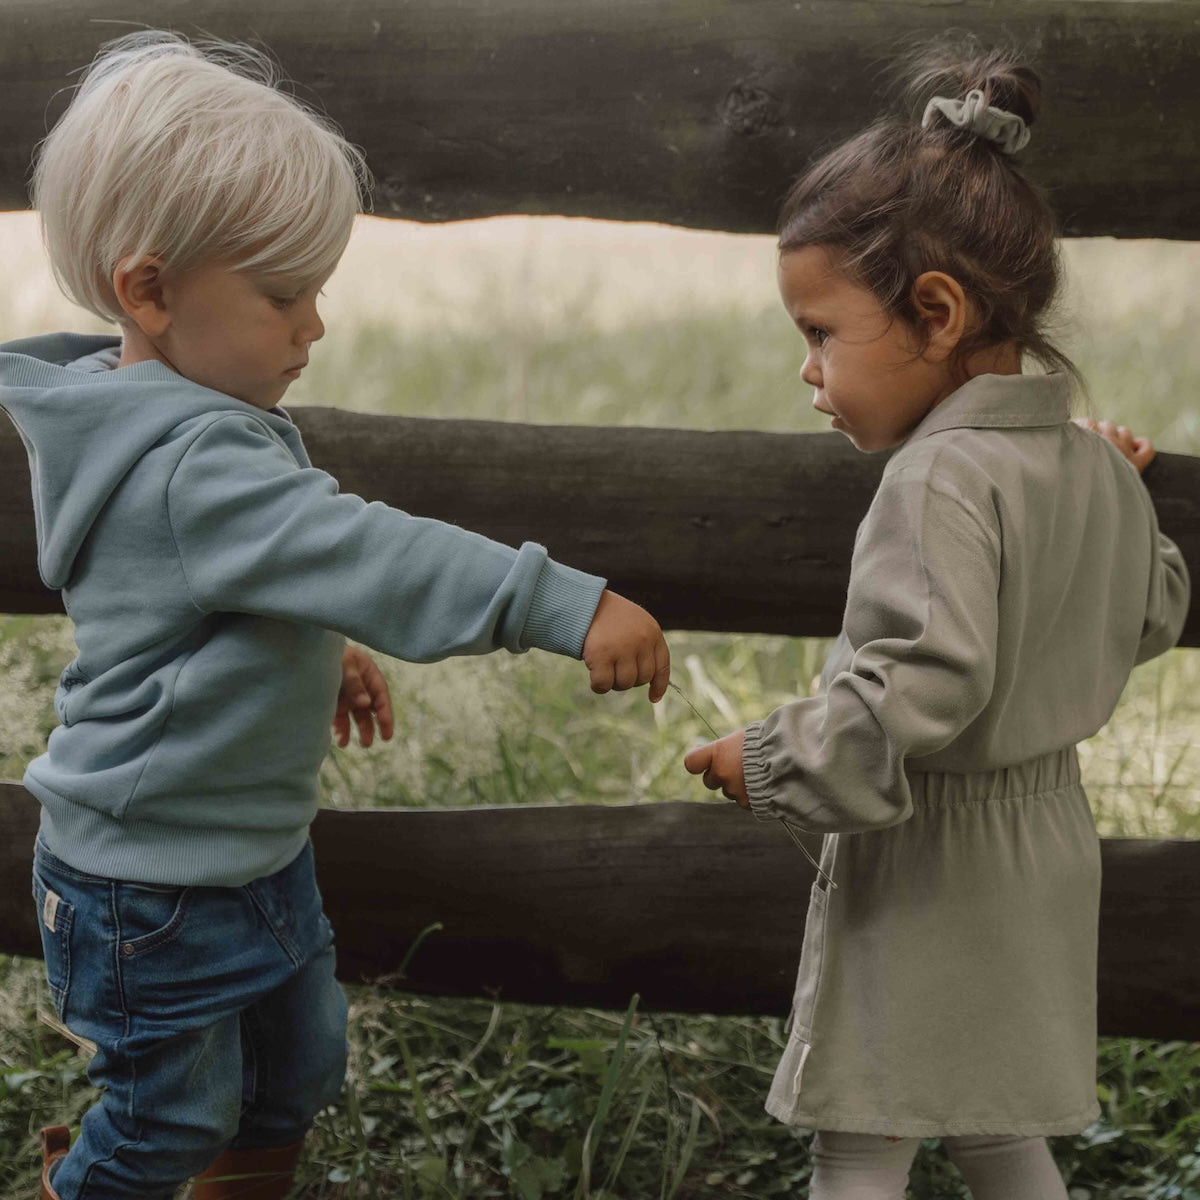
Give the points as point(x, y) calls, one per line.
point(1048, 773)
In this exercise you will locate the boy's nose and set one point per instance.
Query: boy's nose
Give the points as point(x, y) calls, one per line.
point(312, 330)
point(810, 373)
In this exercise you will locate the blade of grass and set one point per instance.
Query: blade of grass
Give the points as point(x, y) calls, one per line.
point(583, 1188)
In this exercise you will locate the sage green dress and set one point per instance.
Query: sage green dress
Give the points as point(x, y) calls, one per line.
point(1006, 579)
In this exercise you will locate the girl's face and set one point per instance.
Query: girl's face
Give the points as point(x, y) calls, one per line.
point(869, 370)
point(245, 335)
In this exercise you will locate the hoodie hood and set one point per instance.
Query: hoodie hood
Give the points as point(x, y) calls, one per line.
point(94, 421)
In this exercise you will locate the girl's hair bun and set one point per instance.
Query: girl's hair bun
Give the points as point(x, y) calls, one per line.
point(952, 68)
point(909, 196)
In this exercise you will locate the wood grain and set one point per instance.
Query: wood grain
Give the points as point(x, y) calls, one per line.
point(697, 907)
point(741, 532)
point(695, 114)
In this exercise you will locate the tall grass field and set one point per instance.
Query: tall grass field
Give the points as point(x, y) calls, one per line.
point(580, 322)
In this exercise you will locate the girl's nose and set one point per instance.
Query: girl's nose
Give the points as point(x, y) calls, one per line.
point(810, 372)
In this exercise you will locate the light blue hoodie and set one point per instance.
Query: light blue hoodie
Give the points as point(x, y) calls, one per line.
point(204, 563)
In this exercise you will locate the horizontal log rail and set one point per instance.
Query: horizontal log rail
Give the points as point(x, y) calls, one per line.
point(688, 114)
point(586, 904)
point(742, 532)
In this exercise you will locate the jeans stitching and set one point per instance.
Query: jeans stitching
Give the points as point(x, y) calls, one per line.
point(168, 933)
point(56, 865)
point(285, 943)
point(64, 919)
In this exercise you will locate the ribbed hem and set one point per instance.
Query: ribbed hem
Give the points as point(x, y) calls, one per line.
point(561, 611)
point(152, 852)
point(754, 770)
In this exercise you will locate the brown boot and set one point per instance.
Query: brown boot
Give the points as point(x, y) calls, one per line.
point(249, 1175)
point(56, 1141)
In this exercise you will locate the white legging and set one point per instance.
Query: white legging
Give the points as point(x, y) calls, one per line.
point(861, 1166)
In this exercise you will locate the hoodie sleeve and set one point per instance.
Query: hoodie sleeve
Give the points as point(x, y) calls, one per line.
point(1167, 600)
point(257, 533)
point(922, 618)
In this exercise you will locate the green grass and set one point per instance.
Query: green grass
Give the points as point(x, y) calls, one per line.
point(456, 1098)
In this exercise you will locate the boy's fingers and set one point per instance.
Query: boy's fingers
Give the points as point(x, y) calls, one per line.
point(366, 726)
point(380, 700)
point(662, 671)
point(625, 674)
point(646, 667)
point(601, 677)
point(383, 714)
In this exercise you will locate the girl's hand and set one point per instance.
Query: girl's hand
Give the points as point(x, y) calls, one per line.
point(625, 648)
point(1139, 451)
point(720, 763)
point(363, 696)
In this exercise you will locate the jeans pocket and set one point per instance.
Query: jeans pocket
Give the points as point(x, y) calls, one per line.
point(56, 916)
point(148, 916)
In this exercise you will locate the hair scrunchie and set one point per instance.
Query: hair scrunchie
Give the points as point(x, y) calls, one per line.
point(1006, 129)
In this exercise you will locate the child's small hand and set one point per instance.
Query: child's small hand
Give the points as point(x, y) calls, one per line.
point(720, 763)
point(364, 696)
point(1139, 451)
point(625, 648)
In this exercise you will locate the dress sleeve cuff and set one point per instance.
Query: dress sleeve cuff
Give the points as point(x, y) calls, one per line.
point(560, 614)
point(754, 770)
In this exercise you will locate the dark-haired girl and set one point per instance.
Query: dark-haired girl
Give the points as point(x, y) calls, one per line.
point(1006, 579)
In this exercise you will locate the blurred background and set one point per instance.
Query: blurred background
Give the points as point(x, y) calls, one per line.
point(554, 320)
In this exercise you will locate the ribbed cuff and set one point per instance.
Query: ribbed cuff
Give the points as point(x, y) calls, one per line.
point(754, 770)
point(561, 611)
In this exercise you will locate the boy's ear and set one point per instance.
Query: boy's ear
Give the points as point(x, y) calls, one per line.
point(942, 306)
point(139, 289)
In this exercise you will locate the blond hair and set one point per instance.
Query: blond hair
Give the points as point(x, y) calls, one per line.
point(191, 153)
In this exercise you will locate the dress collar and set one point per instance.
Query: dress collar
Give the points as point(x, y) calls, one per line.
point(1001, 402)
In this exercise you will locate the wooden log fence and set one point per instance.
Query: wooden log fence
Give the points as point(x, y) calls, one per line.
point(734, 531)
point(687, 114)
point(623, 109)
point(585, 904)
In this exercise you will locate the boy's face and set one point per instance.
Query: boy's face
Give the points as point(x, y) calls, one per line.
point(242, 334)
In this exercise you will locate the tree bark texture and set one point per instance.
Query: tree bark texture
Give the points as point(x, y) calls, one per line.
point(741, 532)
point(586, 904)
point(695, 114)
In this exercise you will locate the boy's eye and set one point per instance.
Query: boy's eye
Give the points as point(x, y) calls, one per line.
point(820, 336)
point(284, 301)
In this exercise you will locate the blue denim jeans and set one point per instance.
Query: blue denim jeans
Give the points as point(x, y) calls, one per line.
point(215, 1012)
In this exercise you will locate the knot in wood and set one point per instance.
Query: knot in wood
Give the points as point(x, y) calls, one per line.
point(749, 110)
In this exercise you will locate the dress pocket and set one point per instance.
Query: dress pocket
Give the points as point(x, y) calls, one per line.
point(55, 919)
point(812, 961)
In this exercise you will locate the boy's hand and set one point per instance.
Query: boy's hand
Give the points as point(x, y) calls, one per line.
point(363, 696)
point(625, 648)
point(720, 763)
point(1139, 451)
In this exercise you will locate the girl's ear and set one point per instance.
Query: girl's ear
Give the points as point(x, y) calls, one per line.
point(942, 306)
point(139, 289)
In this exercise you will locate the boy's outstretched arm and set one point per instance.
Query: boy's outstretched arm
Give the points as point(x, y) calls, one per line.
point(625, 648)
